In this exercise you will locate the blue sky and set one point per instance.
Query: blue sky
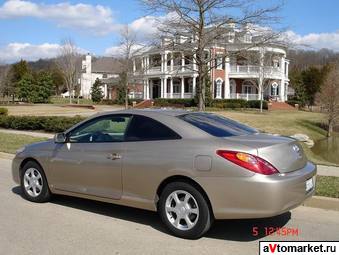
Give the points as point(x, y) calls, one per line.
point(33, 29)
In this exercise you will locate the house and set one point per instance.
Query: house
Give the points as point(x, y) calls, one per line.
point(173, 73)
point(107, 70)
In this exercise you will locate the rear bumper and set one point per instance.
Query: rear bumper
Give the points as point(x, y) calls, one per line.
point(258, 196)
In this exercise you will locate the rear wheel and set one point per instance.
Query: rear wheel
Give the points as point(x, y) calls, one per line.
point(184, 210)
point(34, 183)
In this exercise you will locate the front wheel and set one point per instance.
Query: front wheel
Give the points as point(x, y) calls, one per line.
point(184, 210)
point(34, 183)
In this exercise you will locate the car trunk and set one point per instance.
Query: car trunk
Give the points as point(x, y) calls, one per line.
point(284, 153)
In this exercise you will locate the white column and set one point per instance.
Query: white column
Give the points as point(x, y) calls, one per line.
point(171, 88)
point(182, 87)
point(182, 62)
point(165, 88)
point(105, 92)
point(165, 62)
point(162, 63)
point(144, 89)
point(194, 61)
point(161, 88)
point(172, 62)
point(282, 91)
point(147, 89)
point(194, 85)
point(227, 78)
point(147, 64)
point(134, 66)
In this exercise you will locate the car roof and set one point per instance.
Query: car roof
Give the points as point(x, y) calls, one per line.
point(147, 111)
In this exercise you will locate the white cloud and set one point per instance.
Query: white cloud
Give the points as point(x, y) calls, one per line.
point(16, 51)
point(94, 18)
point(315, 41)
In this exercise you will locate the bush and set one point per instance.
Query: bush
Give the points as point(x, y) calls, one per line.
point(53, 124)
point(116, 102)
point(237, 103)
point(293, 102)
point(256, 104)
point(174, 102)
point(3, 111)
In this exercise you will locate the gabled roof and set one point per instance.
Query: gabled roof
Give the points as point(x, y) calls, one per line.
point(106, 65)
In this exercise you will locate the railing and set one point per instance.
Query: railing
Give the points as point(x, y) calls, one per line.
point(178, 95)
point(244, 96)
point(252, 69)
point(155, 69)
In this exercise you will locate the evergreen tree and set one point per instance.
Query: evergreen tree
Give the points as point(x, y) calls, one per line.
point(96, 92)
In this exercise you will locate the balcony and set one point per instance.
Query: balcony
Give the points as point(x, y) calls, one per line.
point(239, 71)
point(244, 96)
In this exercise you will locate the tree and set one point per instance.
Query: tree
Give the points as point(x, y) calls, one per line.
point(122, 93)
point(129, 47)
point(16, 72)
point(68, 63)
point(206, 22)
point(35, 87)
point(96, 91)
point(4, 76)
point(329, 98)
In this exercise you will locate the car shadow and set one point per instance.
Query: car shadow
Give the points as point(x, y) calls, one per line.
point(232, 230)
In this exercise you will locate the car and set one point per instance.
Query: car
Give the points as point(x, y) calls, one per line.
point(190, 167)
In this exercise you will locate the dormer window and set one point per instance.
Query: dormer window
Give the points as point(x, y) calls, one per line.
point(247, 38)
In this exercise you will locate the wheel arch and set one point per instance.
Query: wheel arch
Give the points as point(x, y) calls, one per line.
point(182, 178)
point(28, 159)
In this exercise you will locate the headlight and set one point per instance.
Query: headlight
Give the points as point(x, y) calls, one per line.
point(20, 150)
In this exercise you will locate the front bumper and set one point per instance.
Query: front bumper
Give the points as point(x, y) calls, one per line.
point(258, 196)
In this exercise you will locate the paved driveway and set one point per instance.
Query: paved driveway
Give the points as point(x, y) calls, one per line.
point(78, 226)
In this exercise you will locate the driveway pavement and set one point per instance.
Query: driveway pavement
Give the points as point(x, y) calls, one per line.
point(77, 226)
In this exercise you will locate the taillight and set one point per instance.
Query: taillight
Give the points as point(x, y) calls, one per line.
point(248, 161)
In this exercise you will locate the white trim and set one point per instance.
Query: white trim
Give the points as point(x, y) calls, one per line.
point(218, 88)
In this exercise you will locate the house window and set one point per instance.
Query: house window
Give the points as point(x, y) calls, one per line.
point(188, 85)
point(274, 89)
point(218, 89)
point(219, 63)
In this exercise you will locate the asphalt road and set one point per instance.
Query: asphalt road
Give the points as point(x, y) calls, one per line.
point(77, 226)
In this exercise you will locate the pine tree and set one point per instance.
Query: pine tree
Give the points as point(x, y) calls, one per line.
point(96, 92)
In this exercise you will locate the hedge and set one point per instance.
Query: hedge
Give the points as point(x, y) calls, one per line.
point(53, 124)
point(3, 111)
point(293, 102)
point(115, 102)
point(216, 103)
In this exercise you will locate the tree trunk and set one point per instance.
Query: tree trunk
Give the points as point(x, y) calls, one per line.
point(330, 128)
point(126, 95)
point(261, 101)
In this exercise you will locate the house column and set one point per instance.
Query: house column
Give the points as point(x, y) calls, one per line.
point(182, 62)
point(161, 87)
point(144, 89)
point(165, 87)
point(282, 91)
point(105, 91)
point(182, 87)
point(147, 63)
point(165, 63)
point(134, 66)
point(194, 61)
point(162, 63)
point(194, 85)
point(172, 62)
point(171, 88)
point(147, 89)
point(227, 89)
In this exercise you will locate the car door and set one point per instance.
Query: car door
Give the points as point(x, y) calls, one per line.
point(90, 162)
point(151, 150)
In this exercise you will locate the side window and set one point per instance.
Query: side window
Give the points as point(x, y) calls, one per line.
point(146, 129)
point(106, 129)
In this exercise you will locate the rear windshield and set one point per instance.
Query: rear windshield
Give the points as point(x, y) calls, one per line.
point(217, 125)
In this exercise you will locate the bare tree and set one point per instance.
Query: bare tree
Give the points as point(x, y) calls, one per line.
point(129, 48)
point(205, 21)
point(69, 66)
point(329, 98)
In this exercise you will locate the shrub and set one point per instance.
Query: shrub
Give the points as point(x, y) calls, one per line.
point(293, 102)
point(256, 104)
point(174, 102)
point(237, 103)
point(3, 111)
point(45, 123)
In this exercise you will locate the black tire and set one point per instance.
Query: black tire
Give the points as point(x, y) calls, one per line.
point(44, 194)
point(204, 220)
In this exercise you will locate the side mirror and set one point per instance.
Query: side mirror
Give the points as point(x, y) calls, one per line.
point(60, 138)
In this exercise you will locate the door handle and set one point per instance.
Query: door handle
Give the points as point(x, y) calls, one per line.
point(114, 156)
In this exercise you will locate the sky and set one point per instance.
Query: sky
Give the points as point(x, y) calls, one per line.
point(33, 29)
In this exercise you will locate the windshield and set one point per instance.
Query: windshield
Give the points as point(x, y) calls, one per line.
point(217, 125)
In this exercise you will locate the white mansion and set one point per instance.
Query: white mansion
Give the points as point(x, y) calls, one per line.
point(172, 73)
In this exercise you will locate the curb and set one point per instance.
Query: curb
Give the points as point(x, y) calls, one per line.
point(4, 155)
point(327, 203)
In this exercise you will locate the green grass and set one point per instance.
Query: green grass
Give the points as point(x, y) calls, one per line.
point(9, 143)
point(60, 100)
point(327, 186)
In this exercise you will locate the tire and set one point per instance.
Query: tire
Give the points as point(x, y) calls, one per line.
point(189, 219)
point(34, 184)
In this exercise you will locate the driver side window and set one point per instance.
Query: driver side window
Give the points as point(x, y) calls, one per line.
point(101, 130)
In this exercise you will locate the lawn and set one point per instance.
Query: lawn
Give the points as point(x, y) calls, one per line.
point(327, 186)
point(9, 143)
point(284, 123)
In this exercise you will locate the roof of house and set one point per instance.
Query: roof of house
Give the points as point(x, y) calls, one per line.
point(106, 65)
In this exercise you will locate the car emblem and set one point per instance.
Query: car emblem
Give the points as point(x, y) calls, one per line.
point(296, 148)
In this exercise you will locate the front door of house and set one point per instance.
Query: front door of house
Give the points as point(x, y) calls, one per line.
point(156, 89)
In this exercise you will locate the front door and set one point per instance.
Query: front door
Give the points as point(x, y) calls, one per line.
point(91, 161)
point(156, 89)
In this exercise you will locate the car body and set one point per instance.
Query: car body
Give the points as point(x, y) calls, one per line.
point(118, 166)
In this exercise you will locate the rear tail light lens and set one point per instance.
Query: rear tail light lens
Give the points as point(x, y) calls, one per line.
point(248, 161)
